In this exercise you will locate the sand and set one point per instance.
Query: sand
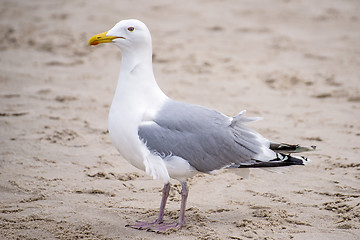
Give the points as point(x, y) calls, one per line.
point(295, 63)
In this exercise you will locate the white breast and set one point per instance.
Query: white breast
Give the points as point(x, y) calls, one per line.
point(134, 101)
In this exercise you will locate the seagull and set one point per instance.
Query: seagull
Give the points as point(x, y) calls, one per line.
point(171, 139)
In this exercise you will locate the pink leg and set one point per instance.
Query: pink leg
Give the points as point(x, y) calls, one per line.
point(162, 227)
point(146, 225)
point(158, 225)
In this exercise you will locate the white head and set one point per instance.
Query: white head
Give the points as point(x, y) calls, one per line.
point(130, 35)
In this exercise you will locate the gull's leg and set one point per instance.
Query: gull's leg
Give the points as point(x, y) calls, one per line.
point(146, 225)
point(162, 227)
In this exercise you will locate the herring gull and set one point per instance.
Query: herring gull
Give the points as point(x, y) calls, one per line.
point(171, 139)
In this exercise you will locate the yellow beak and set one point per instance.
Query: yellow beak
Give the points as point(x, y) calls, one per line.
point(101, 38)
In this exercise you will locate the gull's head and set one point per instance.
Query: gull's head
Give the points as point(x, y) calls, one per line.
point(128, 34)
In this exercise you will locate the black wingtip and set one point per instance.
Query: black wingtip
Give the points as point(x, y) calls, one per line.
point(280, 161)
point(290, 148)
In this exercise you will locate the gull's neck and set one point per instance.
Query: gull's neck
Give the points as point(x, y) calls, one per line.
point(137, 80)
point(135, 58)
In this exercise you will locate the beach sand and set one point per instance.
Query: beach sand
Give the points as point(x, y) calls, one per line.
point(294, 63)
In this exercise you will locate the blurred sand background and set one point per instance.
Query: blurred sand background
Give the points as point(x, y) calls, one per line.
point(295, 63)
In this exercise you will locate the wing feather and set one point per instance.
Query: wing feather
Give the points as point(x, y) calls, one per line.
point(207, 139)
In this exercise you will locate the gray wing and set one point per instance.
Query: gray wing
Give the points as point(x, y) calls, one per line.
point(207, 139)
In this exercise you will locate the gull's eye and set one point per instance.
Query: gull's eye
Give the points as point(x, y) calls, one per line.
point(131, 29)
